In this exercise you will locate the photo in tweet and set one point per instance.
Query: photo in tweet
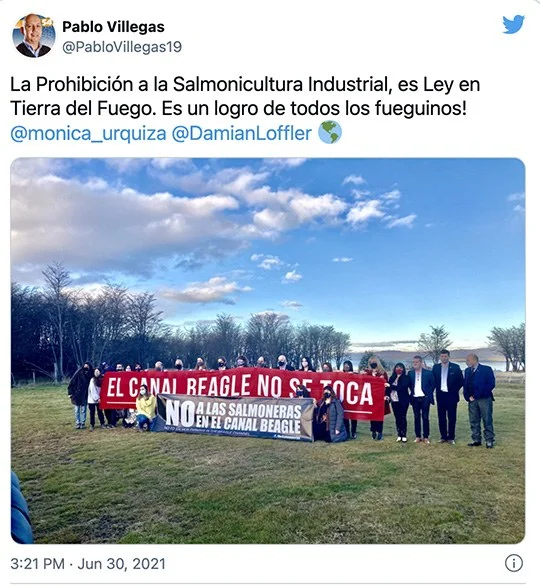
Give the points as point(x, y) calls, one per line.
point(265, 351)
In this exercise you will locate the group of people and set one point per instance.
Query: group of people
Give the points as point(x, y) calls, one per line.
point(418, 388)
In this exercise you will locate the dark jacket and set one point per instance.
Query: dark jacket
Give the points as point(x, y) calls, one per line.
point(78, 386)
point(454, 380)
point(401, 387)
point(288, 367)
point(334, 421)
point(22, 48)
point(21, 527)
point(428, 384)
point(483, 382)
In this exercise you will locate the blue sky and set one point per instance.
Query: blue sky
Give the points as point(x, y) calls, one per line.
point(379, 248)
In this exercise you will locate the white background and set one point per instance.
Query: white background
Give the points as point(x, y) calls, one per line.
point(293, 39)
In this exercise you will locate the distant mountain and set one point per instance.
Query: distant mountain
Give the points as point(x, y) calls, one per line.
point(392, 356)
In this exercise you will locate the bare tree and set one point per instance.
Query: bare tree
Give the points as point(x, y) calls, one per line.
point(510, 342)
point(57, 281)
point(143, 323)
point(341, 347)
point(431, 344)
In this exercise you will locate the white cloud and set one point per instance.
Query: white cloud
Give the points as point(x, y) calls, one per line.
point(519, 209)
point(359, 194)
point(290, 162)
point(216, 289)
point(269, 262)
point(362, 212)
point(292, 276)
point(93, 226)
point(342, 259)
point(292, 304)
point(356, 180)
point(516, 196)
point(392, 195)
point(404, 221)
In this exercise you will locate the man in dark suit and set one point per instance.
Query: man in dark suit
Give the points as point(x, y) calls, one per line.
point(448, 382)
point(31, 44)
point(421, 386)
point(478, 392)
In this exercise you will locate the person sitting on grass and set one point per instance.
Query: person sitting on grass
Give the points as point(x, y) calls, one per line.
point(146, 409)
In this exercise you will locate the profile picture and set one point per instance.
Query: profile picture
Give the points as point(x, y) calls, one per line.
point(34, 35)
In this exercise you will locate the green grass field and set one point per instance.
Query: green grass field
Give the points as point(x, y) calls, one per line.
point(120, 486)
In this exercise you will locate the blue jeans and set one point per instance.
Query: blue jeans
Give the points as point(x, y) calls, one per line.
point(143, 420)
point(80, 414)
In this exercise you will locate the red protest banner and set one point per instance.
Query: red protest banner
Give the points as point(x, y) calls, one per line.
point(362, 396)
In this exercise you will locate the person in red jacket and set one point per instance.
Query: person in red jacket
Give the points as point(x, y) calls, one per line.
point(376, 369)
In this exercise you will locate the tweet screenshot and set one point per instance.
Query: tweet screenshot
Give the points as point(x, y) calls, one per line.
point(267, 269)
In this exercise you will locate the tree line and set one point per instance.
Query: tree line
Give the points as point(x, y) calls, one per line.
point(56, 328)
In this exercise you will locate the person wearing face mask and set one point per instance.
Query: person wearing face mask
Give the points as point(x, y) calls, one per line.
point(94, 390)
point(261, 363)
point(375, 368)
point(78, 393)
point(178, 365)
point(329, 422)
point(350, 424)
point(200, 365)
point(283, 364)
point(306, 365)
point(241, 361)
point(137, 367)
point(301, 392)
point(146, 409)
point(221, 364)
point(327, 367)
point(398, 392)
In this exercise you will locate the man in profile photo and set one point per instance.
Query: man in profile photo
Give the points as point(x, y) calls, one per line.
point(31, 30)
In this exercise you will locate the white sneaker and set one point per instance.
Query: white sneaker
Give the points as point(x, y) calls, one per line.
point(398, 440)
point(404, 439)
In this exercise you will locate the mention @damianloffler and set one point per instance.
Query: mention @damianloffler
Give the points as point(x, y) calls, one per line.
point(256, 133)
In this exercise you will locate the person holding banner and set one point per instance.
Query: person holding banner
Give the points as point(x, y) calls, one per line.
point(283, 364)
point(261, 362)
point(306, 364)
point(200, 365)
point(376, 369)
point(222, 364)
point(242, 362)
point(329, 422)
point(399, 399)
point(146, 409)
point(350, 424)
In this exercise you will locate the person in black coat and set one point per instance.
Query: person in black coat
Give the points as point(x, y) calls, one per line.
point(78, 393)
point(448, 382)
point(398, 392)
point(421, 386)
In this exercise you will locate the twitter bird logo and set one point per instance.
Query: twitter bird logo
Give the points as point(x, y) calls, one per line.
point(513, 26)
